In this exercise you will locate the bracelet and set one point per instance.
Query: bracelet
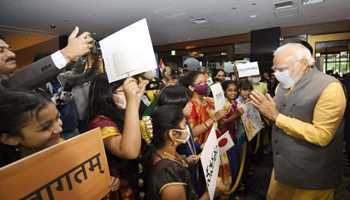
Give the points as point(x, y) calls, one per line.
point(205, 124)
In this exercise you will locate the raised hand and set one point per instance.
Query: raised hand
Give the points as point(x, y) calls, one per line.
point(77, 45)
point(265, 104)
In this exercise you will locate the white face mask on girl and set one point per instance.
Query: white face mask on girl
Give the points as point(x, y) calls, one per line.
point(285, 79)
point(183, 141)
point(121, 102)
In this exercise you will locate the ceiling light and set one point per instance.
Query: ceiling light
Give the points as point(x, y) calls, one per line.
point(234, 8)
point(309, 2)
point(283, 4)
point(223, 53)
point(253, 4)
point(199, 20)
point(173, 52)
point(252, 16)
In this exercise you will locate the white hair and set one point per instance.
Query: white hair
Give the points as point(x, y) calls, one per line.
point(299, 52)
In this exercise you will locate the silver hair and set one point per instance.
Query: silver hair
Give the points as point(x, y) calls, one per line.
point(300, 52)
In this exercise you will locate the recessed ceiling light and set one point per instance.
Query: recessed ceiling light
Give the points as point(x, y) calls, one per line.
point(201, 20)
point(253, 4)
point(173, 52)
point(252, 16)
point(223, 53)
point(309, 2)
point(284, 5)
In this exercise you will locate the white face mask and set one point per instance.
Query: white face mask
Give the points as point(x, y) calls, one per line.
point(285, 79)
point(121, 103)
point(183, 141)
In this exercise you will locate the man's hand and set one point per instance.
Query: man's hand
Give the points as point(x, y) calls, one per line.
point(77, 45)
point(265, 104)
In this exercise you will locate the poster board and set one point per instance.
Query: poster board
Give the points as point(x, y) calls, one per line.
point(251, 120)
point(218, 95)
point(74, 169)
point(128, 52)
point(247, 69)
point(210, 158)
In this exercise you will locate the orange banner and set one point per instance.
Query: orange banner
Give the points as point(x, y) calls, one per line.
point(74, 169)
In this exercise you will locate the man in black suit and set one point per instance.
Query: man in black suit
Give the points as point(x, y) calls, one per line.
point(44, 69)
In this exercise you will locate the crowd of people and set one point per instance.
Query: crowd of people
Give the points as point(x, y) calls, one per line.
point(302, 108)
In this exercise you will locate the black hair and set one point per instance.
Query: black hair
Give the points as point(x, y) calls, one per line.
point(219, 70)
point(165, 118)
point(101, 100)
point(216, 73)
point(17, 107)
point(245, 85)
point(189, 78)
point(175, 95)
point(227, 83)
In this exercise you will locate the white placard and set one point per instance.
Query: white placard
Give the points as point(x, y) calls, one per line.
point(248, 69)
point(211, 161)
point(128, 52)
point(228, 67)
point(219, 96)
point(225, 142)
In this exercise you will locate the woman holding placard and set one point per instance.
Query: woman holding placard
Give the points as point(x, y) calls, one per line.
point(169, 177)
point(202, 117)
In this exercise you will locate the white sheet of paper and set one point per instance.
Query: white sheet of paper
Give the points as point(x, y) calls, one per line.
point(248, 69)
point(128, 52)
point(210, 158)
point(225, 142)
point(228, 67)
point(219, 96)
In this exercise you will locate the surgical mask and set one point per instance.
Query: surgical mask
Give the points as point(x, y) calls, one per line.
point(285, 79)
point(201, 89)
point(183, 141)
point(121, 103)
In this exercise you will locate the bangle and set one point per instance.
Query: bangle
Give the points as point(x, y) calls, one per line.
point(205, 124)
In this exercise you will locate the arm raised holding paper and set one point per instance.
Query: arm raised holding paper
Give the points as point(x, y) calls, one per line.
point(116, 111)
point(42, 71)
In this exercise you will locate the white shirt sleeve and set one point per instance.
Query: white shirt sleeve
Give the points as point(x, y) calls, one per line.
point(59, 60)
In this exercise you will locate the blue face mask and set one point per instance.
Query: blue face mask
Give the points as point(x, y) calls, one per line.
point(285, 79)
